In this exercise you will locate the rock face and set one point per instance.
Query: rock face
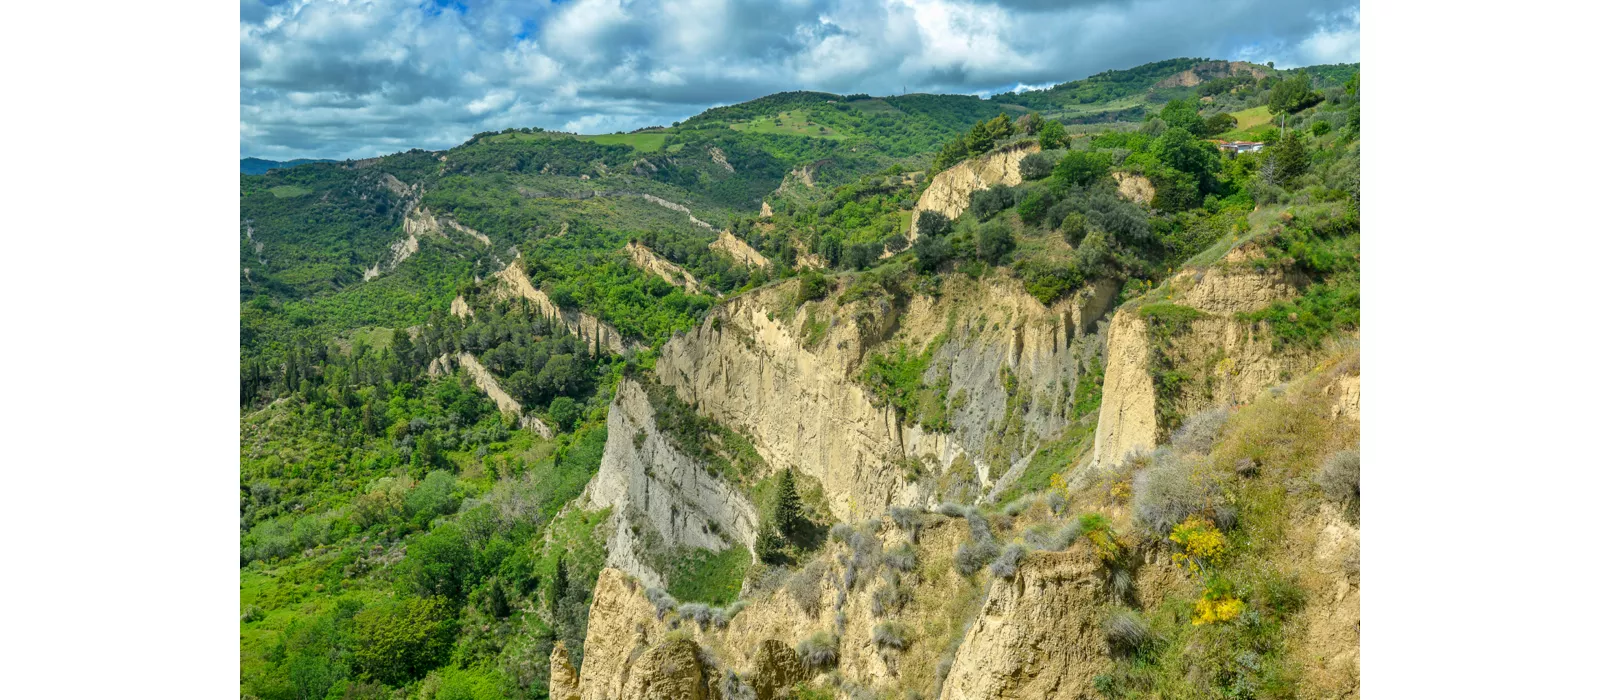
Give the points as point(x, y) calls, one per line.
point(1231, 360)
point(777, 667)
point(951, 190)
point(1209, 70)
point(513, 282)
point(676, 207)
point(622, 627)
point(459, 307)
point(648, 261)
point(486, 382)
point(1039, 634)
point(1135, 188)
point(648, 482)
point(801, 405)
point(563, 677)
point(739, 250)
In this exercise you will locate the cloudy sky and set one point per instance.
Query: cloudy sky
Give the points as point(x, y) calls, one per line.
point(355, 78)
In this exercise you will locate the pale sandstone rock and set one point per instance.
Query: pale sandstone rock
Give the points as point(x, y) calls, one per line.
point(951, 190)
point(1135, 188)
point(739, 250)
point(1039, 635)
point(563, 677)
point(513, 282)
point(648, 261)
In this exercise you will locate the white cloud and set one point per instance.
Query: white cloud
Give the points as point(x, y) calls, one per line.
point(347, 78)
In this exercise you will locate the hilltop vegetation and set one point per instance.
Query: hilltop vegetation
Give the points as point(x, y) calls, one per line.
point(413, 526)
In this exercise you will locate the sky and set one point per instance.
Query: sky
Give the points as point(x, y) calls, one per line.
point(358, 78)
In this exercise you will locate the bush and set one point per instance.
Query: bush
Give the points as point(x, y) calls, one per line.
point(400, 640)
point(974, 555)
point(819, 652)
point(932, 224)
point(1126, 632)
point(440, 563)
point(1036, 166)
point(892, 635)
point(994, 242)
point(813, 286)
point(989, 202)
point(435, 496)
point(902, 558)
point(1169, 491)
point(1340, 477)
point(1081, 168)
point(1035, 206)
point(662, 600)
point(1005, 566)
point(1200, 431)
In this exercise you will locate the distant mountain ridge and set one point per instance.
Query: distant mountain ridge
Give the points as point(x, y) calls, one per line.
point(260, 166)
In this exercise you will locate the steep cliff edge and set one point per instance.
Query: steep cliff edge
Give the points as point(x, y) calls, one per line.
point(661, 497)
point(648, 261)
point(1005, 363)
point(1205, 355)
point(951, 190)
point(514, 283)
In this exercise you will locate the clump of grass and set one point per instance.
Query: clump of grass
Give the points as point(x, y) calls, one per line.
point(1340, 477)
point(1005, 565)
point(1200, 431)
point(974, 555)
point(1126, 631)
point(892, 635)
point(819, 652)
point(1170, 490)
point(902, 558)
point(662, 600)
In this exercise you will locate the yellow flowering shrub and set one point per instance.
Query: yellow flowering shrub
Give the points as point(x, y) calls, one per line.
point(1100, 535)
point(1199, 543)
point(1208, 611)
point(1058, 483)
point(1217, 603)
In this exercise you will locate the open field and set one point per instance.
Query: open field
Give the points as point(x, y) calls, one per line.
point(796, 123)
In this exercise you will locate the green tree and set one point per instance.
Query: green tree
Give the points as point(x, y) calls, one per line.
point(932, 224)
point(769, 544)
point(1035, 206)
point(1183, 114)
point(1036, 166)
point(1289, 158)
point(786, 513)
point(1079, 168)
point(1052, 135)
point(1292, 94)
point(440, 563)
point(1219, 123)
point(401, 640)
point(994, 241)
point(564, 411)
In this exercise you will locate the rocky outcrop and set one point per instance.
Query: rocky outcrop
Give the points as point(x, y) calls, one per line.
point(563, 677)
point(514, 283)
point(1208, 70)
point(398, 252)
point(720, 158)
point(650, 483)
point(648, 261)
point(486, 383)
point(1007, 360)
point(766, 210)
point(1135, 188)
point(676, 207)
point(622, 627)
point(422, 222)
point(1228, 361)
point(1039, 634)
point(739, 250)
point(459, 307)
point(951, 190)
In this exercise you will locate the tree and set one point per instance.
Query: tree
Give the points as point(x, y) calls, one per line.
point(769, 545)
point(1292, 95)
point(1081, 168)
point(1029, 123)
point(786, 514)
point(932, 224)
point(813, 286)
point(1220, 123)
point(1052, 135)
point(931, 252)
point(1183, 114)
point(1182, 151)
point(1033, 207)
point(440, 563)
point(1036, 166)
point(564, 411)
point(994, 241)
point(1289, 158)
point(401, 640)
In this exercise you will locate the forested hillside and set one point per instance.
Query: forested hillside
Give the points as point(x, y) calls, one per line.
point(802, 397)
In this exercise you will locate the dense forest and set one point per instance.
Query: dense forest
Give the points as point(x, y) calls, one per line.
point(403, 533)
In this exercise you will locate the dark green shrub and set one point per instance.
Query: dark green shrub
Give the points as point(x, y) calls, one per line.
point(1081, 168)
point(813, 286)
point(564, 411)
point(994, 242)
point(1036, 166)
point(1035, 206)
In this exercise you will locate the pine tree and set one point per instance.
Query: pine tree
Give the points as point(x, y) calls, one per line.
point(558, 587)
point(786, 509)
point(498, 605)
point(769, 545)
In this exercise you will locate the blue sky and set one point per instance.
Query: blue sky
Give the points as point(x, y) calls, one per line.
point(354, 78)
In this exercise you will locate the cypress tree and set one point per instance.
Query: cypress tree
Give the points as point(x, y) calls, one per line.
point(786, 510)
